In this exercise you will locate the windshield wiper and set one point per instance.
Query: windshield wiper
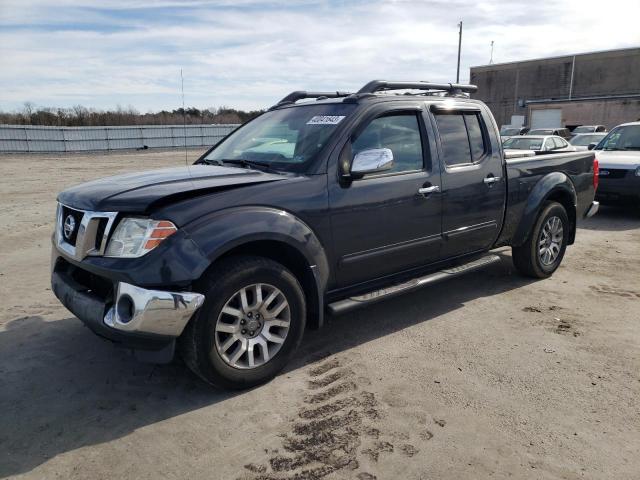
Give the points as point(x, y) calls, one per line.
point(242, 162)
point(246, 163)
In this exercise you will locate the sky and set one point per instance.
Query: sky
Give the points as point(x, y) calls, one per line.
point(250, 53)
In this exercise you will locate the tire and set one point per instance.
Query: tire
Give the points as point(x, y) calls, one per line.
point(528, 258)
point(204, 345)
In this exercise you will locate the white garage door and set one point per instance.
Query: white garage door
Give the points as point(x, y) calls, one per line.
point(546, 118)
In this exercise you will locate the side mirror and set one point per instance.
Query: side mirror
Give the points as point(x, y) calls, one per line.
point(369, 161)
point(592, 146)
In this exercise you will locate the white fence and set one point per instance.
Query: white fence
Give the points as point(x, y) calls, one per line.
point(19, 138)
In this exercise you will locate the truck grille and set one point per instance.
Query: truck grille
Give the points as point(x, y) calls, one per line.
point(71, 221)
point(80, 232)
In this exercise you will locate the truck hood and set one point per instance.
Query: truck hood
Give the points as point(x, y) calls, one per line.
point(144, 191)
point(629, 159)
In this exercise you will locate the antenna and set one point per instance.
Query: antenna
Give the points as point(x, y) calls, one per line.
point(184, 119)
point(491, 59)
point(459, 48)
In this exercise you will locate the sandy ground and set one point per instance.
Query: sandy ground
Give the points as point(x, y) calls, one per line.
point(487, 376)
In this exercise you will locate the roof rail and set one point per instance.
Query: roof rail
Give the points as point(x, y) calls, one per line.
point(293, 97)
point(452, 88)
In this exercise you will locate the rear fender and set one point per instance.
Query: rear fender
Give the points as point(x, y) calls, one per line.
point(554, 186)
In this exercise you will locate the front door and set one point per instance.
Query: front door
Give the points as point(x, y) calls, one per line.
point(381, 223)
point(473, 183)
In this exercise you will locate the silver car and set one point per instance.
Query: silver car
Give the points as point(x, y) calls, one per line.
point(539, 144)
point(589, 129)
point(582, 140)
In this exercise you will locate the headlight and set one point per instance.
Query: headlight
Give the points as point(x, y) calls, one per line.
point(134, 237)
point(638, 172)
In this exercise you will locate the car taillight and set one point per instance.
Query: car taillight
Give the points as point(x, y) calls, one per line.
point(596, 173)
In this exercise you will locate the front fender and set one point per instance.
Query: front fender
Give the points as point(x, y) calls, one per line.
point(222, 231)
point(551, 185)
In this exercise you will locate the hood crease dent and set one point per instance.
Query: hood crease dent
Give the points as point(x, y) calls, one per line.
point(144, 191)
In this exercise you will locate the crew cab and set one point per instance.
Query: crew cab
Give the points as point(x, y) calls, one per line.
point(328, 202)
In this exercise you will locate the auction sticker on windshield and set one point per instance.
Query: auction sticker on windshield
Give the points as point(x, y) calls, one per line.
point(325, 120)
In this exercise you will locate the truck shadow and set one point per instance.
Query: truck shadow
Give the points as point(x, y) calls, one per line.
point(64, 388)
point(615, 219)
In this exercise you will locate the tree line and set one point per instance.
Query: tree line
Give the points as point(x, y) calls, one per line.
point(80, 116)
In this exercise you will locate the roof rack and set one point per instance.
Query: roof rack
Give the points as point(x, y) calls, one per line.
point(293, 97)
point(451, 88)
point(377, 86)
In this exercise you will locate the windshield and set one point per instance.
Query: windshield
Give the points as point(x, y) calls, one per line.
point(507, 132)
point(621, 138)
point(585, 140)
point(523, 143)
point(541, 131)
point(287, 139)
point(583, 129)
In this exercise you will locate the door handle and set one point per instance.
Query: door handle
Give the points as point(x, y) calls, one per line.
point(428, 190)
point(490, 180)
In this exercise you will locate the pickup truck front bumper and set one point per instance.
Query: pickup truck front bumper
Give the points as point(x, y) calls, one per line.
point(618, 186)
point(147, 321)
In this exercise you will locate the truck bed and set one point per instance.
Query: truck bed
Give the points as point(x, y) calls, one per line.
point(527, 175)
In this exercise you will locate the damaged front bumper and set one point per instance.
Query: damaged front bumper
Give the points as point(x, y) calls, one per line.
point(147, 321)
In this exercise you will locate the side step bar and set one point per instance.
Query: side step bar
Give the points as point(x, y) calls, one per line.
point(342, 306)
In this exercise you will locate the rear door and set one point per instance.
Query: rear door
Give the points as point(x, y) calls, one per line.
point(473, 183)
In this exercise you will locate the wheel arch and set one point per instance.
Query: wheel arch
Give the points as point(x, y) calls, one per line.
point(274, 234)
point(556, 187)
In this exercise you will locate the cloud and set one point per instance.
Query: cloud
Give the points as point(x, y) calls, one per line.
point(250, 53)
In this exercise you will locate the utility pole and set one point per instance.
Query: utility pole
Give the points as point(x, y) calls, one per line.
point(491, 59)
point(459, 47)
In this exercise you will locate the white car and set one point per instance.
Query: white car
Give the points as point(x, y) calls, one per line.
point(539, 144)
point(618, 155)
point(582, 140)
point(589, 129)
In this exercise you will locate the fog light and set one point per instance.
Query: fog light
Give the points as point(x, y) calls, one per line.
point(125, 309)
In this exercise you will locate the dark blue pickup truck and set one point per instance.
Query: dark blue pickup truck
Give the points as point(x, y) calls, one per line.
point(320, 205)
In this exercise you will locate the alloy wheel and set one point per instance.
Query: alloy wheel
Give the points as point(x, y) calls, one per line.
point(550, 241)
point(252, 326)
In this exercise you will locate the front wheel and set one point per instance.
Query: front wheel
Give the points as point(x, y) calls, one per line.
point(251, 323)
point(543, 250)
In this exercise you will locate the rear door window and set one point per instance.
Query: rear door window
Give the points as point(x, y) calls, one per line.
point(476, 138)
point(462, 138)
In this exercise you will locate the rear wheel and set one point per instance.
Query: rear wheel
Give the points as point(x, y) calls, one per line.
point(542, 252)
point(250, 325)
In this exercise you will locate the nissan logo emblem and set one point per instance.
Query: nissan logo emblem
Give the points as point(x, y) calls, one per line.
point(69, 226)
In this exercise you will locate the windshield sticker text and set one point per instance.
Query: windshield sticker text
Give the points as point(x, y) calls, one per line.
point(325, 120)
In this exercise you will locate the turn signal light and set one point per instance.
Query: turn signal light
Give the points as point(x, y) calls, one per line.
point(596, 173)
point(162, 230)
